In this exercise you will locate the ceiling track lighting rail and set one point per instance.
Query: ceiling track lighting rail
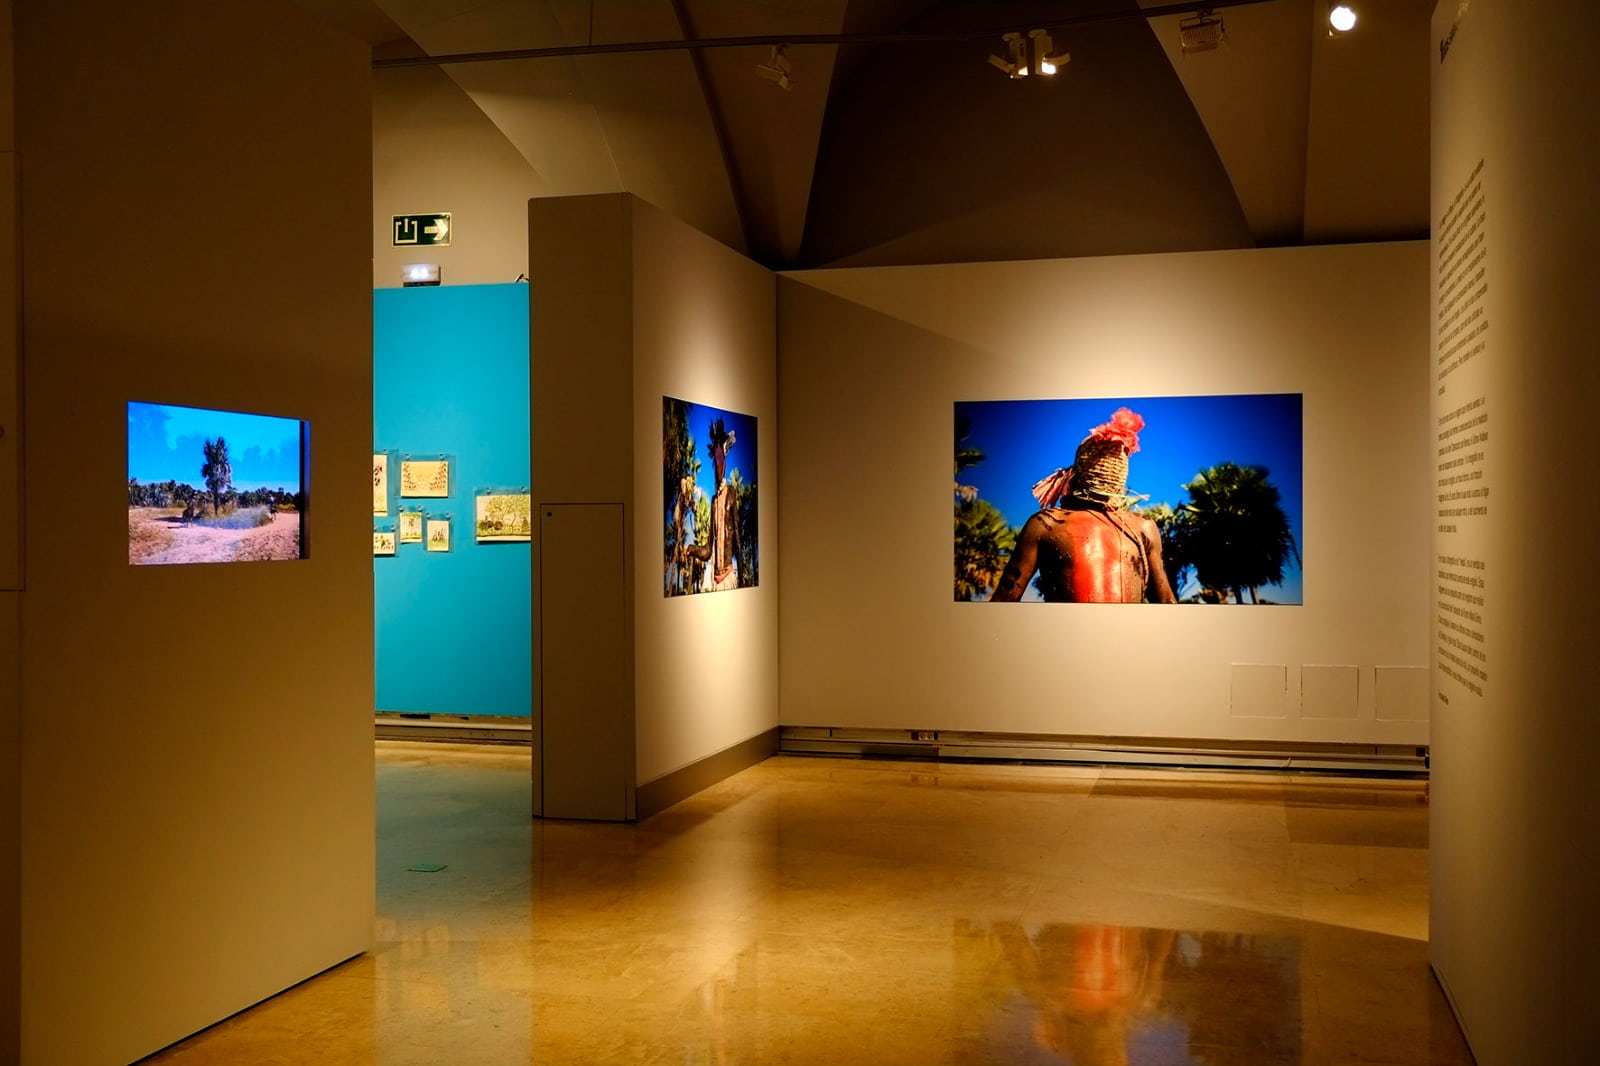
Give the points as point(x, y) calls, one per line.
point(578, 51)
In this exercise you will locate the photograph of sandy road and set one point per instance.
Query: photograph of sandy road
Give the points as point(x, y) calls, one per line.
point(161, 535)
point(212, 486)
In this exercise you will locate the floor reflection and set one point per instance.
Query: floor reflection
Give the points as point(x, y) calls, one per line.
point(842, 912)
point(1106, 995)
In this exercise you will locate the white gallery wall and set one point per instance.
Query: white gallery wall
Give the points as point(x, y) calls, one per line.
point(1515, 838)
point(704, 330)
point(628, 306)
point(196, 753)
point(434, 150)
point(871, 362)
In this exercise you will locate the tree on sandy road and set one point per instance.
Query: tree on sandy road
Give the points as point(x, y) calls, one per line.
point(217, 471)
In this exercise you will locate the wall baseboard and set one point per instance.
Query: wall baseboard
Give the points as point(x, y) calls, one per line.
point(655, 796)
point(459, 729)
point(1404, 759)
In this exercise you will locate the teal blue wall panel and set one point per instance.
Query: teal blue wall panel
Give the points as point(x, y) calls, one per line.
point(450, 377)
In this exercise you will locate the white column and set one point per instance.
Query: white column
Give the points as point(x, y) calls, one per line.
point(1515, 829)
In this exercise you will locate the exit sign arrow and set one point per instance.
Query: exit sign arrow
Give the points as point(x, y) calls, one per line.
point(422, 229)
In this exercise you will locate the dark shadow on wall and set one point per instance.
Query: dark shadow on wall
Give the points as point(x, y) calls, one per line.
point(930, 154)
point(856, 553)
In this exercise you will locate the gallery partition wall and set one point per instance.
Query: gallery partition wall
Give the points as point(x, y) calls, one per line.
point(194, 751)
point(1511, 447)
point(637, 316)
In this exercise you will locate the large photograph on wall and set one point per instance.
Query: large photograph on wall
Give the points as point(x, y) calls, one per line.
point(1171, 499)
point(708, 478)
point(210, 486)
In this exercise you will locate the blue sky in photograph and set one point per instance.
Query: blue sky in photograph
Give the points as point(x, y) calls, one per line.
point(1025, 440)
point(165, 443)
point(741, 457)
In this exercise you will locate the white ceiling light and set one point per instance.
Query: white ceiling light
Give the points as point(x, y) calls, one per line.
point(1015, 61)
point(1045, 55)
point(777, 69)
point(1341, 18)
point(1035, 53)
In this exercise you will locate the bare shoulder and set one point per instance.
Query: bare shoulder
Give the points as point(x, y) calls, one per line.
point(1147, 527)
point(1049, 518)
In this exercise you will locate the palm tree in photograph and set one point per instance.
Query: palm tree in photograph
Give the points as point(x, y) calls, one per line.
point(676, 448)
point(679, 468)
point(701, 538)
point(218, 472)
point(1234, 530)
point(984, 539)
point(967, 455)
point(1175, 525)
point(745, 512)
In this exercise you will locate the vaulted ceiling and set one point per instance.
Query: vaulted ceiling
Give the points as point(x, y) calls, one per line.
point(908, 150)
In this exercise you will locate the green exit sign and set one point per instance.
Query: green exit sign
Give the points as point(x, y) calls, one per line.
point(421, 229)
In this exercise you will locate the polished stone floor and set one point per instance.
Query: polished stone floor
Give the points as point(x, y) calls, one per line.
point(832, 911)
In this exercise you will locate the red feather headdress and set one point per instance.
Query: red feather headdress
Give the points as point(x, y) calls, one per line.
point(1123, 428)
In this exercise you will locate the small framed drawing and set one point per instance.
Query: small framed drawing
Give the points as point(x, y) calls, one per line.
point(438, 534)
point(425, 478)
point(503, 517)
point(410, 527)
point(380, 484)
point(383, 542)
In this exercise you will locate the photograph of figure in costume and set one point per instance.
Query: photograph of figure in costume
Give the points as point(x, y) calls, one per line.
point(1218, 520)
point(708, 479)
